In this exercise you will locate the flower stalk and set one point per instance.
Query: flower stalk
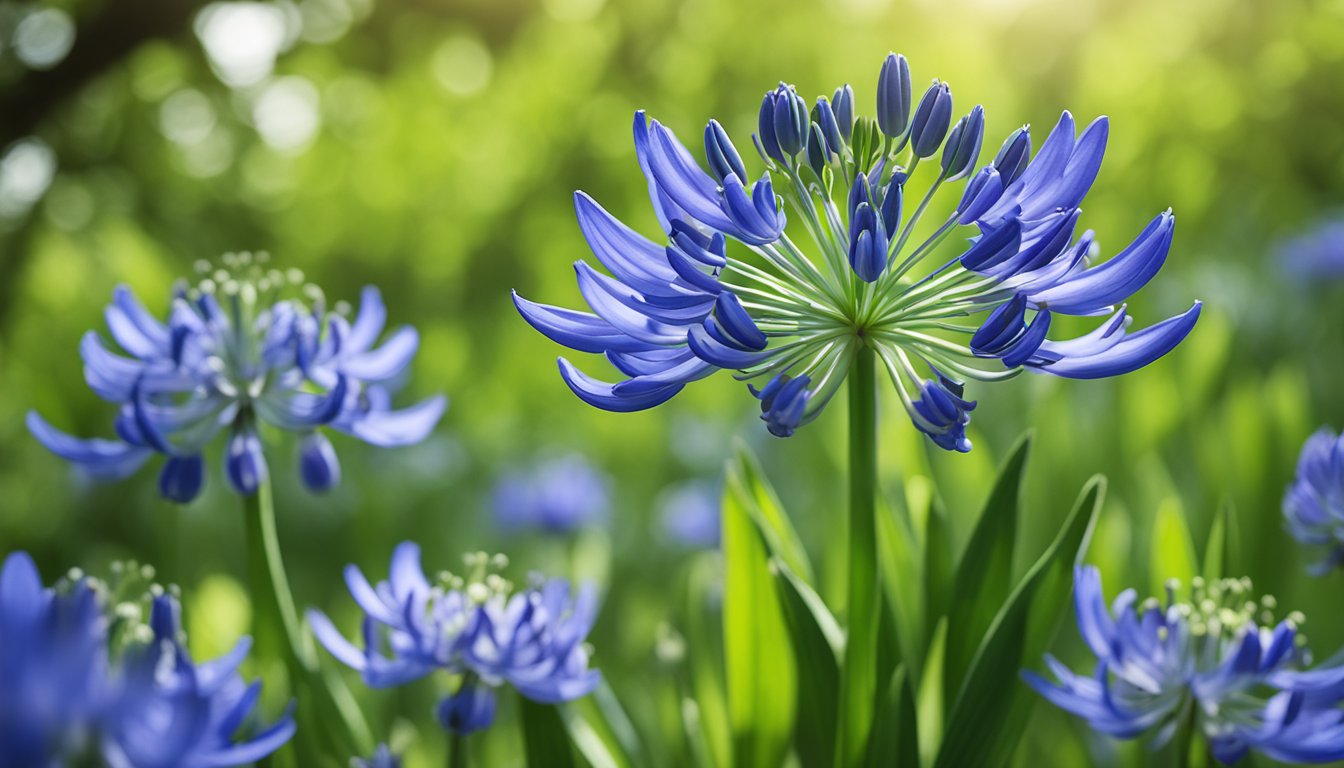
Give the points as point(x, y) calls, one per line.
point(279, 635)
point(858, 682)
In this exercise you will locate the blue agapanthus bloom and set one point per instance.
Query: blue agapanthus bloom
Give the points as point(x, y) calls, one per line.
point(81, 680)
point(691, 513)
point(1314, 504)
point(245, 347)
point(685, 304)
point(560, 495)
point(1316, 254)
point(476, 627)
point(1217, 657)
point(382, 757)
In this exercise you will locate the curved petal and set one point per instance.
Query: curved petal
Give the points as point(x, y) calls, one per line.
point(407, 426)
point(369, 322)
point(1131, 353)
point(388, 360)
point(1117, 278)
point(601, 395)
point(101, 459)
point(579, 331)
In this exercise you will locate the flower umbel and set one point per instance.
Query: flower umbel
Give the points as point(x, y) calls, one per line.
point(1314, 504)
point(81, 675)
point(560, 495)
point(245, 346)
point(1213, 657)
point(476, 627)
point(793, 317)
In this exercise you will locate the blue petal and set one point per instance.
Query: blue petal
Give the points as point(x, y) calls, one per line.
point(182, 478)
point(245, 462)
point(739, 325)
point(388, 360)
point(711, 350)
point(1131, 353)
point(134, 328)
point(684, 182)
point(577, 330)
point(318, 466)
point(600, 395)
point(407, 426)
point(102, 459)
point(631, 257)
point(369, 322)
point(1115, 280)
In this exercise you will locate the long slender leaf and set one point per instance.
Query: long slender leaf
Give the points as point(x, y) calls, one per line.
point(1220, 552)
point(546, 742)
point(1172, 555)
point(757, 653)
point(929, 698)
point(992, 707)
point(985, 571)
point(708, 706)
point(939, 570)
point(898, 563)
point(602, 731)
point(764, 507)
point(819, 645)
point(895, 736)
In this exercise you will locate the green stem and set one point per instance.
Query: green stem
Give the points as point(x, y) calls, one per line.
point(278, 634)
point(457, 751)
point(858, 684)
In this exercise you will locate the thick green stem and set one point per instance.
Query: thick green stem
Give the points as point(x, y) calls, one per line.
point(457, 750)
point(858, 684)
point(325, 705)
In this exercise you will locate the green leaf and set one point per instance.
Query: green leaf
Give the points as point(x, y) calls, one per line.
point(545, 740)
point(819, 645)
point(938, 565)
point(1221, 549)
point(757, 654)
point(985, 572)
point(991, 710)
point(764, 507)
point(602, 731)
point(706, 714)
point(895, 739)
point(1172, 555)
point(930, 697)
point(898, 563)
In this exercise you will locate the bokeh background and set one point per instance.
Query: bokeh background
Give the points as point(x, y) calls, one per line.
point(431, 147)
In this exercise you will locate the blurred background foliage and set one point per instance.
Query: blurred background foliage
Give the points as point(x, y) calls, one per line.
point(431, 147)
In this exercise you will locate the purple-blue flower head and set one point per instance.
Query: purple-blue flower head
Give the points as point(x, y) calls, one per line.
point(382, 757)
point(691, 513)
point(730, 284)
point(1313, 506)
point(82, 679)
point(474, 626)
point(1316, 254)
point(1216, 655)
point(245, 349)
point(560, 495)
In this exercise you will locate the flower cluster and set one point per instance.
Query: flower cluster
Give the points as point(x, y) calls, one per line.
point(82, 679)
point(681, 307)
point(475, 627)
point(382, 757)
point(246, 345)
point(1213, 658)
point(1316, 254)
point(560, 495)
point(1314, 504)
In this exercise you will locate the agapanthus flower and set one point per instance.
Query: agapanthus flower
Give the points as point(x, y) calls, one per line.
point(559, 495)
point(1217, 657)
point(382, 757)
point(477, 628)
point(685, 304)
point(691, 513)
point(81, 679)
point(243, 348)
point(1314, 504)
point(1315, 254)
